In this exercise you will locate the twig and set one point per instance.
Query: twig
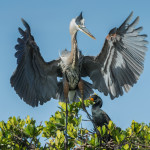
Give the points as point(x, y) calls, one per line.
point(96, 130)
point(66, 137)
point(85, 120)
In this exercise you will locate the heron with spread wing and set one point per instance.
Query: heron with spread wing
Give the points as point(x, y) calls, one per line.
point(117, 67)
point(114, 70)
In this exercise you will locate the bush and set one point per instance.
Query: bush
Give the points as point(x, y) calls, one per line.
point(16, 133)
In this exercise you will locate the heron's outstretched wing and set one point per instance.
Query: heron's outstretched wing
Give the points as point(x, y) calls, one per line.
point(120, 63)
point(34, 80)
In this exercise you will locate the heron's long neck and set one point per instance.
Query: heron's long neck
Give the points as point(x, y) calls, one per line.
point(74, 51)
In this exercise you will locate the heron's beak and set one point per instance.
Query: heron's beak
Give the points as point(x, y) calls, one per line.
point(85, 30)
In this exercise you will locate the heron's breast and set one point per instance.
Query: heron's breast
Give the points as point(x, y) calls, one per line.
point(72, 77)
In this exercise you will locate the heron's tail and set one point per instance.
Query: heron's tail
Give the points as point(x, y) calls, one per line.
point(74, 95)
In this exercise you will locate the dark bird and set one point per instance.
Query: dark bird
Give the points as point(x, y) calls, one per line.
point(114, 70)
point(100, 118)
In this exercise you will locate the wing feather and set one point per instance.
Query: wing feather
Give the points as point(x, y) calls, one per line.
point(34, 80)
point(120, 62)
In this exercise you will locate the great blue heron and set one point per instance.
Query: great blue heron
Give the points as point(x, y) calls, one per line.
point(35, 80)
point(117, 67)
point(100, 118)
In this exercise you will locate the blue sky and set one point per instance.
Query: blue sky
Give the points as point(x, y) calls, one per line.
point(49, 21)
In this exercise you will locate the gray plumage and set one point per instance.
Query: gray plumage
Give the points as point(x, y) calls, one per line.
point(120, 62)
point(117, 67)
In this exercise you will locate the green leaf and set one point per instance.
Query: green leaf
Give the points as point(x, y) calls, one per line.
point(103, 129)
point(117, 139)
point(58, 115)
point(14, 120)
point(63, 105)
point(126, 146)
point(56, 141)
point(110, 124)
point(1, 125)
point(129, 131)
point(148, 137)
point(30, 130)
point(122, 137)
point(1, 135)
point(9, 136)
point(28, 120)
point(79, 120)
point(8, 125)
point(58, 134)
point(62, 139)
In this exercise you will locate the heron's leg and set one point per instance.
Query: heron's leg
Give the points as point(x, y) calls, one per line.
point(66, 91)
point(81, 88)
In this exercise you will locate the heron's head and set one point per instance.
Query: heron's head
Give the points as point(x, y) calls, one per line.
point(96, 99)
point(78, 24)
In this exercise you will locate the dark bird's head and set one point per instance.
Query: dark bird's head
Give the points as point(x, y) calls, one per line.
point(97, 100)
point(77, 24)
